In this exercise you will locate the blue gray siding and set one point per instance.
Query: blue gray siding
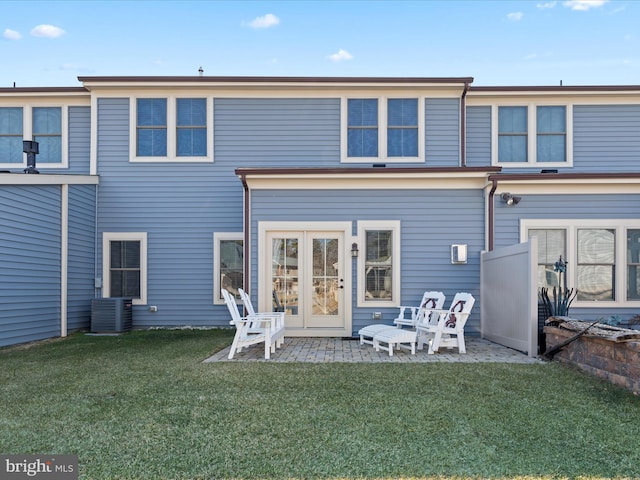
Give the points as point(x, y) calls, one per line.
point(278, 132)
point(427, 232)
point(606, 138)
point(442, 132)
point(29, 263)
point(478, 136)
point(81, 255)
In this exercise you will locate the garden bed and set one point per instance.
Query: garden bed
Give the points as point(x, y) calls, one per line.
point(611, 353)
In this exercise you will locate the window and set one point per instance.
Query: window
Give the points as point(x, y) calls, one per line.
point(532, 135)
point(363, 128)
point(47, 131)
point(387, 129)
point(402, 127)
point(191, 127)
point(552, 244)
point(633, 264)
point(552, 134)
point(379, 263)
point(228, 264)
point(592, 249)
point(596, 264)
point(170, 129)
point(125, 266)
point(11, 135)
point(512, 134)
point(152, 127)
point(45, 124)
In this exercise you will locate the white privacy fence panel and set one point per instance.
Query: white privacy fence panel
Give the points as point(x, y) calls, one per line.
point(508, 292)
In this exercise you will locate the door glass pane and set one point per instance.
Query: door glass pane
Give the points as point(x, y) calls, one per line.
point(325, 276)
point(284, 275)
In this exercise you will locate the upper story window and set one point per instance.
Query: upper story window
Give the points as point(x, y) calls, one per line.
point(47, 131)
point(191, 127)
point(152, 127)
point(382, 129)
point(11, 135)
point(170, 129)
point(528, 135)
point(46, 125)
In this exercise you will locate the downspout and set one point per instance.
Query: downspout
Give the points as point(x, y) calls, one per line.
point(463, 126)
point(491, 213)
point(245, 226)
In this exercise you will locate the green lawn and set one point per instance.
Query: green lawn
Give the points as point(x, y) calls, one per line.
point(142, 405)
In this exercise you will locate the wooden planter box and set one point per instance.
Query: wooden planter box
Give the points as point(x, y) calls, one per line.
point(614, 357)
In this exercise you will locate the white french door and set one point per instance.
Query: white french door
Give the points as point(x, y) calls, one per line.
point(304, 273)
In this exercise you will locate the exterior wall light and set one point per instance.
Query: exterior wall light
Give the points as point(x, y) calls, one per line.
point(354, 250)
point(510, 200)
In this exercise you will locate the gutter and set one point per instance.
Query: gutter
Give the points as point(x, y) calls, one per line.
point(463, 125)
point(245, 227)
point(491, 212)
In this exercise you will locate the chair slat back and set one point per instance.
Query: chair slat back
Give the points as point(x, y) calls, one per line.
point(430, 301)
point(246, 300)
point(232, 306)
point(460, 309)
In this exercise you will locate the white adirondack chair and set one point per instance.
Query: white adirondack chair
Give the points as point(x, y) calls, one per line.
point(246, 300)
point(253, 329)
point(428, 299)
point(448, 330)
point(378, 334)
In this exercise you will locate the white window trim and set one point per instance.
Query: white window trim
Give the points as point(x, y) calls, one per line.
point(217, 237)
point(394, 226)
point(571, 226)
point(532, 154)
point(107, 237)
point(382, 130)
point(27, 133)
point(171, 131)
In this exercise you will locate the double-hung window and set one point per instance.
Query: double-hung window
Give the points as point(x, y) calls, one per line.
point(47, 131)
point(382, 129)
point(603, 258)
point(125, 265)
point(46, 125)
point(228, 264)
point(191, 127)
point(11, 125)
point(379, 263)
point(170, 129)
point(152, 127)
point(531, 135)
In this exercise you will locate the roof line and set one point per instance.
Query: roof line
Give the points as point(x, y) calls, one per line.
point(43, 90)
point(254, 79)
point(557, 88)
point(360, 170)
point(562, 176)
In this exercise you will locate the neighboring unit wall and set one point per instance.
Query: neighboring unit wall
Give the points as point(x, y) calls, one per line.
point(30, 263)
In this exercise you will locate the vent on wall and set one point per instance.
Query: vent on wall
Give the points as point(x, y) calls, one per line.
point(111, 315)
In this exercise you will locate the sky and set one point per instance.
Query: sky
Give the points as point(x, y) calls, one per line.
point(539, 42)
